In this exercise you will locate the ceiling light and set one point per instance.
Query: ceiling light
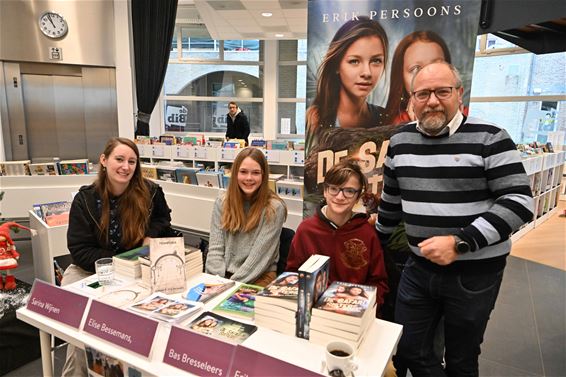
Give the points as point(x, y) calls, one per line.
point(279, 35)
point(267, 14)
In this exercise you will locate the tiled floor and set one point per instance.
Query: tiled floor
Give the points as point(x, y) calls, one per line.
point(526, 335)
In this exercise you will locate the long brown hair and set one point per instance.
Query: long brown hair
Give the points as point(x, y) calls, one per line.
point(322, 112)
point(398, 95)
point(134, 203)
point(234, 218)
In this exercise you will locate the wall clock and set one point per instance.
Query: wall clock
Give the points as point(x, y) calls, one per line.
point(53, 25)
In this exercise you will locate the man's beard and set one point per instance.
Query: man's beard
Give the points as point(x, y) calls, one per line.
point(433, 121)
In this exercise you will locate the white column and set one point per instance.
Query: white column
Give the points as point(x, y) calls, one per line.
point(270, 78)
point(125, 93)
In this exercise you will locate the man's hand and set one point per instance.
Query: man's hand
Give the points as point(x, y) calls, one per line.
point(440, 249)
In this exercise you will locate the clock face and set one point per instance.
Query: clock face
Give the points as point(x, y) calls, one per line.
point(53, 25)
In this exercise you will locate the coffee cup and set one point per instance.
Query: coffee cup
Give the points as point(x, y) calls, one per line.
point(340, 356)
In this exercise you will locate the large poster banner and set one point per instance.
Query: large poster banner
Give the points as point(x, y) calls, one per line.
point(361, 58)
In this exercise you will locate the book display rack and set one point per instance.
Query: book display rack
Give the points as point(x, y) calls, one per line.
point(545, 172)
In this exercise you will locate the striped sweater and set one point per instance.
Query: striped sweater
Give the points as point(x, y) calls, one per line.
point(471, 184)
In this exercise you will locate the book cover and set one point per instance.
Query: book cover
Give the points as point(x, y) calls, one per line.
point(165, 173)
point(55, 213)
point(167, 260)
point(187, 175)
point(313, 279)
point(345, 302)
point(222, 328)
point(240, 302)
point(126, 295)
point(167, 308)
point(283, 291)
point(73, 167)
point(45, 168)
point(149, 171)
point(130, 257)
point(209, 179)
point(100, 364)
point(204, 292)
point(15, 168)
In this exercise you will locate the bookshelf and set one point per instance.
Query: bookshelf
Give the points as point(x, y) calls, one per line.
point(280, 161)
point(545, 174)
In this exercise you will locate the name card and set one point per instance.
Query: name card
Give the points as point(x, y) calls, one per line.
point(228, 153)
point(201, 152)
point(272, 156)
point(158, 150)
point(57, 303)
point(183, 152)
point(121, 327)
point(248, 362)
point(198, 354)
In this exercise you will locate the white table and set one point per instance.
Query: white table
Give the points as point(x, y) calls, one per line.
point(375, 352)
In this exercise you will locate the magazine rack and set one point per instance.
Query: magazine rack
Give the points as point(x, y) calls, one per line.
point(48, 243)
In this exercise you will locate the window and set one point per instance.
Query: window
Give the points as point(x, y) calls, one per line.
point(206, 75)
point(292, 88)
point(517, 90)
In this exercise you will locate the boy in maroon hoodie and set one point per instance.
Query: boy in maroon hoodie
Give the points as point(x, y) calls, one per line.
point(346, 237)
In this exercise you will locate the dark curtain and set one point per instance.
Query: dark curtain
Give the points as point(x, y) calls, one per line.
point(153, 24)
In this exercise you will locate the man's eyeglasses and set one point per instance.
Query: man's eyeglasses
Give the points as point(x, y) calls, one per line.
point(348, 192)
point(444, 92)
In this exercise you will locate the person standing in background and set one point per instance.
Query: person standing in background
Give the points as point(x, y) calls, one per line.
point(238, 126)
point(461, 188)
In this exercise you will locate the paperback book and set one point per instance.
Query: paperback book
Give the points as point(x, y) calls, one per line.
point(15, 168)
point(187, 175)
point(205, 292)
point(345, 302)
point(100, 364)
point(167, 308)
point(222, 328)
point(55, 213)
point(167, 264)
point(313, 279)
point(73, 167)
point(283, 291)
point(240, 302)
point(149, 171)
point(209, 179)
point(44, 168)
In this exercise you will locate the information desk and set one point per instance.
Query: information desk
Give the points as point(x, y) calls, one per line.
point(378, 347)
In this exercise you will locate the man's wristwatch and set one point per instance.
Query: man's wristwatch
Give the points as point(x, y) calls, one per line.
point(462, 246)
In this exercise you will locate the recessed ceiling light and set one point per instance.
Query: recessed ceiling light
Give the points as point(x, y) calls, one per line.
point(267, 14)
point(279, 35)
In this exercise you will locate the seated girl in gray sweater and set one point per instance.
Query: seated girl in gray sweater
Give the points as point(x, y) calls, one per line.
point(246, 224)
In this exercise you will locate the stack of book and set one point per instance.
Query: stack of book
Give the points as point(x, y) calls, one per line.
point(128, 263)
point(276, 305)
point(345, 311)
point(313, 279)
point(192, 266)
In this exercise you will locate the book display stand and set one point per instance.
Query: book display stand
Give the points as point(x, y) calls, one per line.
point(545, 173)
point(162, 348)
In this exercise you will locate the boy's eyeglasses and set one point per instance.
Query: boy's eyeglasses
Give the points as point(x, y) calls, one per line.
point(348, 192)
point(444, 92)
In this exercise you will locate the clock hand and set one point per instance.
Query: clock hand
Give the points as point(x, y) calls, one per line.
point(50, 20)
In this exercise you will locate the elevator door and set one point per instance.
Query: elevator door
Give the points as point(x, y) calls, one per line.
point(54, 113)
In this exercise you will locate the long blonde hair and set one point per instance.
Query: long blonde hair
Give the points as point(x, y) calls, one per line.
point(134, 203)
point(234, 218)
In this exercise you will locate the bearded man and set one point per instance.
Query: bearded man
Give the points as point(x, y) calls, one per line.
point(460, 186)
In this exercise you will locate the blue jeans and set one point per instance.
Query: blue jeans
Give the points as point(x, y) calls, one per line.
point(424, 297)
